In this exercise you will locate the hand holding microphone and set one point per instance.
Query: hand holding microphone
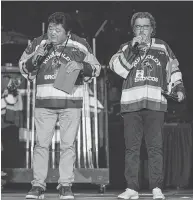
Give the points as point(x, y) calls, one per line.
point(137, 41)
point(42, 50)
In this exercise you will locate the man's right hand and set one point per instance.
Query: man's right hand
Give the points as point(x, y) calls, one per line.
point(39, 52)
point(137, 39)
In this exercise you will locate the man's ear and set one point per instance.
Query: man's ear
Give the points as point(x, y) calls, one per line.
point(151, 31)
point(133, 32)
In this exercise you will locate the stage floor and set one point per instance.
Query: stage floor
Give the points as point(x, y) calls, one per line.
point(91, 195)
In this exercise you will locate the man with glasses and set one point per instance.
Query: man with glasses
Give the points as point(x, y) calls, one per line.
point(149, 69)
point(67, 53)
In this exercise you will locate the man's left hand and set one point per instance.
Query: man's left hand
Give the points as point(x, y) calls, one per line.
point(180, 96)
point(73, 65)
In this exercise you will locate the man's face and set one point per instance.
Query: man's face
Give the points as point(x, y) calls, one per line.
point(56, 33)
point(143, 26)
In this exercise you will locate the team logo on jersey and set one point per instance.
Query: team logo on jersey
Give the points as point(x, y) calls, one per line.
point(56, 54)
point(56, 62)
point(51, 76)
point(148, 57)
point(148, 67)
point(139, 74)
point(147, 64)
point(139, 77)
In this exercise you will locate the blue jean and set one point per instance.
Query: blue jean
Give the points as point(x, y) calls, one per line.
point(45, 120)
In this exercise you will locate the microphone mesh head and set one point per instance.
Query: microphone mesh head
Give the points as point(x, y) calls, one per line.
point(143, 37)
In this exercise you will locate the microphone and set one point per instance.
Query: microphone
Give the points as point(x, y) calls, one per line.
point(47, 46)
point(136, 44)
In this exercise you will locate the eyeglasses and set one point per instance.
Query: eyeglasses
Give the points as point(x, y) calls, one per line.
point(145, 27)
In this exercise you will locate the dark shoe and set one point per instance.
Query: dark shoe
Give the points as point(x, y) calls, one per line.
point(35, 193)
point(65, 192)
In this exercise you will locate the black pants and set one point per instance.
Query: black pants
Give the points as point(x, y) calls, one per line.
point(150, 124)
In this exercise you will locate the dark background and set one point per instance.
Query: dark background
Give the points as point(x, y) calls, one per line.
point(174, 22)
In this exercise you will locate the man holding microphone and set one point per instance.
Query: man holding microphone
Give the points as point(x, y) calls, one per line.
point(42, 59)
point(150, 70)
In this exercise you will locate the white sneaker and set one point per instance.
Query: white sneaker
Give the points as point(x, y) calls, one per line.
point(157, 194)
point(129, 194)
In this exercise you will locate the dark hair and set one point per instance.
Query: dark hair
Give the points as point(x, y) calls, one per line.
point(144, 15)
point(61, 18)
